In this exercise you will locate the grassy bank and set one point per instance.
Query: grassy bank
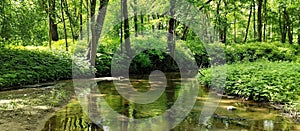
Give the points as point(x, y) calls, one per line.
point(22, 66)
point(259, 81)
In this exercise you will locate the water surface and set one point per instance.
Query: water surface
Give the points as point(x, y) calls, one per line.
point(249, 116)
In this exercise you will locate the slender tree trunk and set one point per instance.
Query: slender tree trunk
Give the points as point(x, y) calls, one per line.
point(121, 26)
point(225, 25)
point(218, 26)
point(265, 20)
point(298, 30)
point(282, 27)
point(88, 22)
point(288, 25)
point(96, 28)
point(248, 25)
point(54, 31)
point(159, 23)
point(142, 23)
point(254, 19)
point(3, 15)
point(171, 29)
point(259, 20)
point(80, 20)
point(92, 4)
point(234, 23)
point(185, 32)
point(135, 18)
point(64, 23)
point(153, 25)
point(126, 28)
point(70, 20)
point(49, 25)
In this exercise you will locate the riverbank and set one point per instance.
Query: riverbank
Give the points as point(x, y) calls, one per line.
point(26, 109)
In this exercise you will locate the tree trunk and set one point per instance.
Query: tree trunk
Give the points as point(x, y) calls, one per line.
point(248, 25)
point(185, 31)
point(54, 32)
point(218, 26)
point(171, 29)
point(80, 20)
point(299, 30)
point(91, 26)
point(70, 20)
point(288, 26)
point(64, 23)
point(234, 23)
point(88, 23)
point(142, 23)
point(159, 23)
point(225, 25)
point(121, 26)
point(126, 28)
point(135, 18)
point(254, 19)
point(265, 20)
point(153, 25)
point(259, 20)
point(282, 26)
point(96, 29)
point(49, 25)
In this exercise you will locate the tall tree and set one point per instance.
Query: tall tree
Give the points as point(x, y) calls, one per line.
point(96, 27)
point(259, 20)
point(49, 25)
point(64, 23)
point(53, 24)
point(254, 19)
point(71, 21)
point(171, 29)
point(126, 28)
point(288, 25)
point(80, 20)
point(298, 29)
point(135, 17)
point(265, 20)
point(248, 24)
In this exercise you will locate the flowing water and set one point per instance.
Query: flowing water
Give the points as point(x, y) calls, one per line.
point(248, 116)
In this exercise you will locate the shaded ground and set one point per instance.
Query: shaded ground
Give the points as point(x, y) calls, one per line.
point(26, 109)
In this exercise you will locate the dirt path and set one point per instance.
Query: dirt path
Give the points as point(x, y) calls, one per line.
point(29, 109)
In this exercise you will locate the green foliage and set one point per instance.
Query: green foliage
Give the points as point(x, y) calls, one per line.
point(24, 66)
point(260, 81)
point(242, 52)
point(254, 51)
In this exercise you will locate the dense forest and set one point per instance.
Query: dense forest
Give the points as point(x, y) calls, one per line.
point(260, 39)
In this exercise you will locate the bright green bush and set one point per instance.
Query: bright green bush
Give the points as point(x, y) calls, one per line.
point(259, 81)
point(22, 66)
point(255, 51)
point(275, 51)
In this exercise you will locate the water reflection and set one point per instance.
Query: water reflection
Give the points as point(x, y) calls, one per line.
point(248, 116)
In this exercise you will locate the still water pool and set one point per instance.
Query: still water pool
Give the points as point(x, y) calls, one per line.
point(248, 116)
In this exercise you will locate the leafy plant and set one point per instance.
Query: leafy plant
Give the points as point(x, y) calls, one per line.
point(259, 81)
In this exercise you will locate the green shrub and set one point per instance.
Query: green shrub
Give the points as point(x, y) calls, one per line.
point(22, 66)
point(275, 51)
point(259, 81)
point(152, 57)
point(255, 51)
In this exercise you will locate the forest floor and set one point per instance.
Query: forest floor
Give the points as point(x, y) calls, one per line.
point(29, 108)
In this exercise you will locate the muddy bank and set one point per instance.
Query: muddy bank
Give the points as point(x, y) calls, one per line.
point(27, 109)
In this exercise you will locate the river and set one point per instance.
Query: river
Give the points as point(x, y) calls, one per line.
point(248, 116)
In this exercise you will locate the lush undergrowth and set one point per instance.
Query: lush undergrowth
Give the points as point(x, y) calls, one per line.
point(249, 52)
point(22, 66)
point(259, 81)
